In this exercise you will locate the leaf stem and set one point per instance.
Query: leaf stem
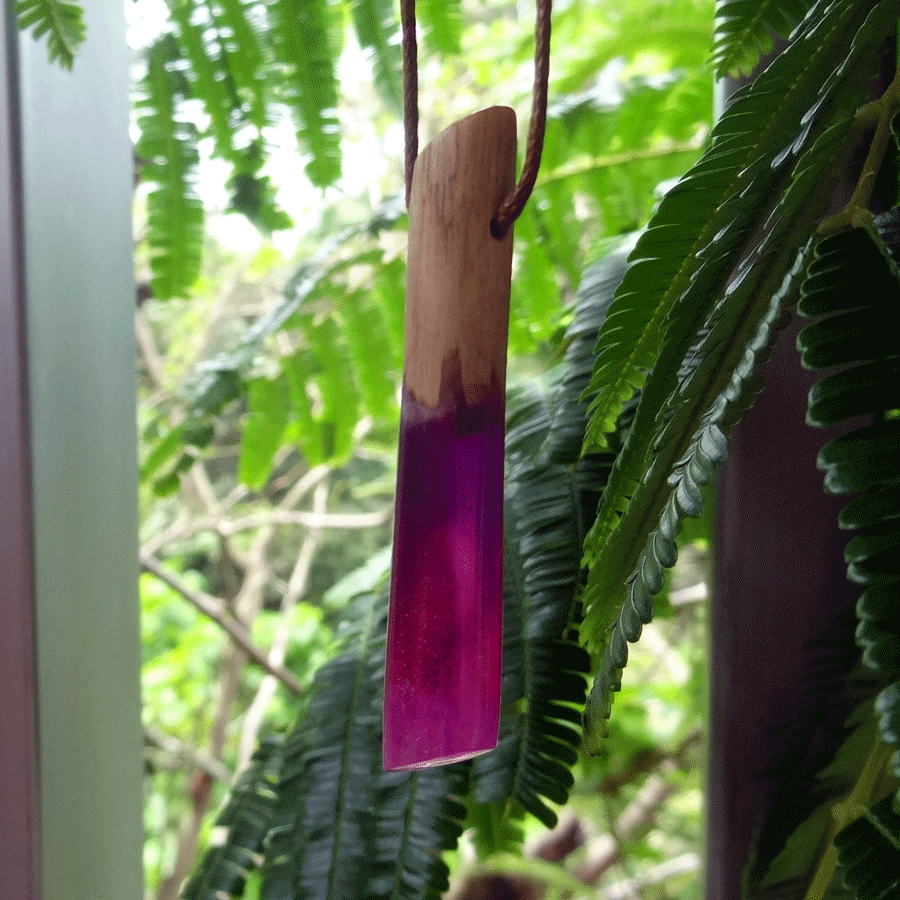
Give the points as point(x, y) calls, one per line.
point(856, 212)
point(844, 812)
point(598, 163)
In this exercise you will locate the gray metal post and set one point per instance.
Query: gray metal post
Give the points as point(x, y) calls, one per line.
point(76, 182)
point(18, 756)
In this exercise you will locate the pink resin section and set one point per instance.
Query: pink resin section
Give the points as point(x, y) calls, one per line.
point(445, 628)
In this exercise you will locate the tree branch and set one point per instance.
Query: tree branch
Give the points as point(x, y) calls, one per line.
point(597, 163)
point(283, 515)
point(215, 609)
point(247, 605)
point(185, 754)
point(630, 888)
point(227, 527)
point(602, 851)
point(296, 587)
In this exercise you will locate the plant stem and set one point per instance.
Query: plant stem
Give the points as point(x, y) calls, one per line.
point(844, 812)
point(856, 212)
point(599, 163)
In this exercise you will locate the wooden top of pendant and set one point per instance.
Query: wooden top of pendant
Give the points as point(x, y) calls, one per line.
point(458, 274)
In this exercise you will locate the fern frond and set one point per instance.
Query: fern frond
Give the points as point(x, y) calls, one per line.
point(363, 326)
point(222, 42)
point(534, 282)
point(682, 262)
point(267, 417)
point(168, 143)
point(744, 30)
point(304, 431)
point(241, 38)
point(219, 381)
point(62, 21)
point(418, 816)
point(340, 397)
point(247, 816)
point(570, 406)
point(324, 842)
point(281, 844)
point(388, 295)
point(636, 493)
point(668, 29)
point(441, 22)
point(377, 30)
point(854, 284)
point(253, 195)
point(688, 429)
point(548, 507)
point(341, 827)
point(206, 73)
point(869, 853)
point(682, 488)
point(304, 46)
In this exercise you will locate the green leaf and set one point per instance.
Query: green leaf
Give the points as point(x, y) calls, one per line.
point(241, 36)
point(548, 506)
point(686, 453)
point(783, 865)
point(853, 284)
point(168, 147)
point(544, 668)
point(247, 816)
point(305, 430)
point(570, 404)
point(323, 841)
point(657, 478)
point(441, 21)
point(388, 292)
point(744, 30)
point(267, 417)
point(226, 72)
point(337, 390)
point(341, 827)
point(364, 580)
point(676, 31)
point(686, 406)
point(869, 853)
point(60, 20)
point(253, 196)
point(377, 30)
point(372, 359)
point(304, 41)
point(217, 381)
point(163, 448)
point(209, 84)
point(418, 818)
point(534, 302)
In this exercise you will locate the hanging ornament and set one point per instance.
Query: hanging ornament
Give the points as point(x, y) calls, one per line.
point(443, 669)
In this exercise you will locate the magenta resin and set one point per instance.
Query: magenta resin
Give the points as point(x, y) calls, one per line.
point(445, 631)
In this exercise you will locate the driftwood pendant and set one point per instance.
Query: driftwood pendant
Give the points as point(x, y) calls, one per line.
point(445, 629)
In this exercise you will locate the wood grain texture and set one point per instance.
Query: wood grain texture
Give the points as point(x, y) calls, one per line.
point(458, 274)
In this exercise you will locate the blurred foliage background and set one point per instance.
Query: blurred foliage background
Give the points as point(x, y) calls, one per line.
point(270, 253)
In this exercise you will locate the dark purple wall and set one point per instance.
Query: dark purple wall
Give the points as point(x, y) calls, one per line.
point(782, 616)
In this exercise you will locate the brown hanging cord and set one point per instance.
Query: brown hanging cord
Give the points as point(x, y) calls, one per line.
point(410, 89)
point(513, 205)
